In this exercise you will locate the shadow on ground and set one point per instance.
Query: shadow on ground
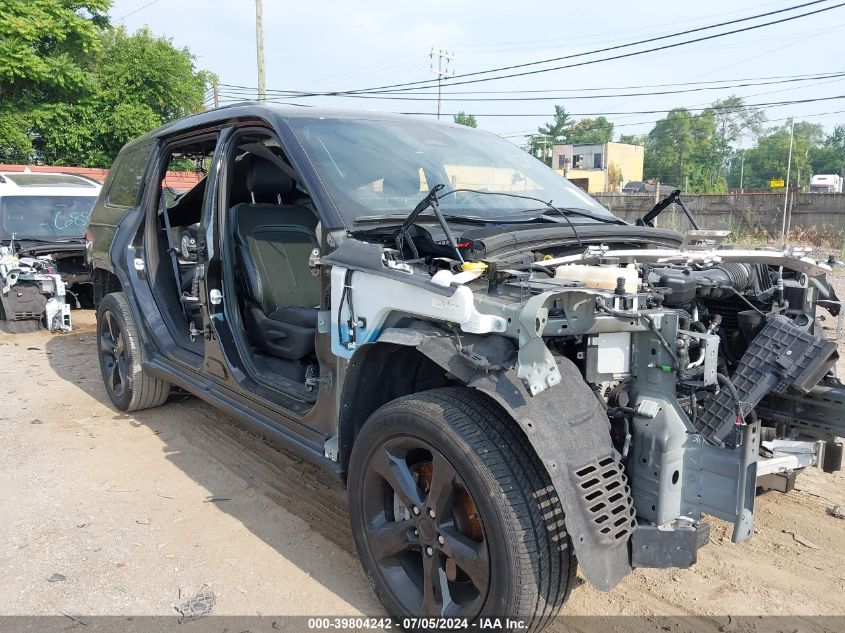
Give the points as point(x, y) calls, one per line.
point(200, 440)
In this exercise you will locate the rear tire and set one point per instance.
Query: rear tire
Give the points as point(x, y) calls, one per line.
point(521, 543)
point(128, 386)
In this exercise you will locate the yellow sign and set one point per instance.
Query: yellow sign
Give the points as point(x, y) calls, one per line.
point(776, 183)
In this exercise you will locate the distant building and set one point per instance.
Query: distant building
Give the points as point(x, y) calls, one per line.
point(592, 166)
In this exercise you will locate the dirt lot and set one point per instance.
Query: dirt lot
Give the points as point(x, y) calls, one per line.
point(138, 512)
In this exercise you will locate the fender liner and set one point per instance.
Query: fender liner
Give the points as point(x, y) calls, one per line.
point(570, 432)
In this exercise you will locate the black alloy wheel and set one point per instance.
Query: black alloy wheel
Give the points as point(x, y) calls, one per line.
point(113, 362)
point(453, 514)
point(424, 530)
point(128, 386)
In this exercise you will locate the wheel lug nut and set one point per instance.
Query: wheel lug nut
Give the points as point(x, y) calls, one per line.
point(429, 551)
point(441, 540)
point(431, 513)
point(416, 510)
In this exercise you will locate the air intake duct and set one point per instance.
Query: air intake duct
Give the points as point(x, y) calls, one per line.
point(722, 279)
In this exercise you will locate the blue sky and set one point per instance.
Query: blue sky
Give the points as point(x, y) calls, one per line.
point(333, 45)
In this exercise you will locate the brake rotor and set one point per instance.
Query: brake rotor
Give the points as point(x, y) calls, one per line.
point(467, 520)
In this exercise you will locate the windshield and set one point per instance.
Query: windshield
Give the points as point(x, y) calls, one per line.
point(381, 167)
point(45, 217)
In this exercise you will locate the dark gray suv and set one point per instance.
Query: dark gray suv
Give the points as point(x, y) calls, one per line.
point(505, 375)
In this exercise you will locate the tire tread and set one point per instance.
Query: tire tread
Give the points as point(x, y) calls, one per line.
point(546, 560)
point(146, 391)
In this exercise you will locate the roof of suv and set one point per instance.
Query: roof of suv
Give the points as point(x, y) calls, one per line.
point(23, 183)
point(246, 109)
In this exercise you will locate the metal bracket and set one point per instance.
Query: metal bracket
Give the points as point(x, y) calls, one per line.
point(536, 366)
point(703, 239)
point(330, 448)
point(672, 545)
point(205, 332)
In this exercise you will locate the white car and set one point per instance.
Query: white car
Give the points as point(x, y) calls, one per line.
point(43, 221)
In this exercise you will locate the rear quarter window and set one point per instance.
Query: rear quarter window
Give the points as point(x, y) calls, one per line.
point(126, 180)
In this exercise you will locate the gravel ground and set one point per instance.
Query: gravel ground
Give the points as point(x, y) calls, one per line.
point(138, 512)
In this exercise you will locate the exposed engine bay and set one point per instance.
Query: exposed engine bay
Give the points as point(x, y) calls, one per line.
point(32, 290)
point(710, 362)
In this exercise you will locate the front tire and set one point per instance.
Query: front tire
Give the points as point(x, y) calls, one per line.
point(128, 386)
point(454, 515)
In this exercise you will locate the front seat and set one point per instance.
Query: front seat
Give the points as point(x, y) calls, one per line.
point(272, 245)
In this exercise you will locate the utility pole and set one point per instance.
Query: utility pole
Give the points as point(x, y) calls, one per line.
point(741, 172)
point(215, 93)
point(798, 183)
point(259, 45)
point(788, 167)
point(542, 145)
point(443, 71)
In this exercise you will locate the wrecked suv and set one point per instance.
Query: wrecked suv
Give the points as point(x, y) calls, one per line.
point(507, 377)
point(43, 218)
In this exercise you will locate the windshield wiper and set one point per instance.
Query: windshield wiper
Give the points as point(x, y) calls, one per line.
point(548, 205)
point(454, 217)
point(430, 200)
point(586, 214)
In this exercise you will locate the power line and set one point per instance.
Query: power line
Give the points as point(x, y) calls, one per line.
point(403, 87)
point(737, 62)
point(771, 104)
point(528, 133)
point(392, 97)
point(141, 8)
point(590, 114)
point(817, 75)
point(645, 41)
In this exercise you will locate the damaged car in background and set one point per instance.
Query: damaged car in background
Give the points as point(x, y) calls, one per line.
point(43, 219)
point(509, 379)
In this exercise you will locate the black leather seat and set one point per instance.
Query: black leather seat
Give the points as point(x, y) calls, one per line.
point(272, 245)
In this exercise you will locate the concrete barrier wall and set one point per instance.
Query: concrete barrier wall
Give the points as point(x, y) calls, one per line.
point(755, 212)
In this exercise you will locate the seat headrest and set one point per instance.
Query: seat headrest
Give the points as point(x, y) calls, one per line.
point(265, 178)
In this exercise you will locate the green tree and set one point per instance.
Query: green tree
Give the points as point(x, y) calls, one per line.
point(733, 121)
point(681, 151)
point(557, 131)
point(462, 118)
point(598, 131)
point(46, 49)
point(75, 90)
point(829, 158)
point(633, 139)
point(614, 176)
point(768, 158)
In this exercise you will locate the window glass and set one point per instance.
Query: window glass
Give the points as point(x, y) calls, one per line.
point(49, 180)
point(128, 177)
point(377, 167)
point(44, 216)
